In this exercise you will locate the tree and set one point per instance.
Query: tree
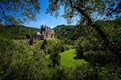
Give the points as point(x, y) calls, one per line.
point(18, 11)
point(20, 62)
point(79, 52)
point(55, 57)
point(87, 9)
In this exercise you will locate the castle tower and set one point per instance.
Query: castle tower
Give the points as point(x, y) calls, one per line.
point(46, 32)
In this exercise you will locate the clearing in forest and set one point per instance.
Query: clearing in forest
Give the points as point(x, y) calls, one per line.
point(67, 59)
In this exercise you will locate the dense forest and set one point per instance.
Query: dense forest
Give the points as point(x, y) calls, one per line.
point(89, 50)
point(17, 31)
point(42, 60)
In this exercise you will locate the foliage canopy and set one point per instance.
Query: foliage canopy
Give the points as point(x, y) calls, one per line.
point(85, 8)
point(18, 11)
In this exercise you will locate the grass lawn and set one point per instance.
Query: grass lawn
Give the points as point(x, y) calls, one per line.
point(67, 59)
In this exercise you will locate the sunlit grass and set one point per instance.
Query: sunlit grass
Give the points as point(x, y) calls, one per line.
point(67, 59)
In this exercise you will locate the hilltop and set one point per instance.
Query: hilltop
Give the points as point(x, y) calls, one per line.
point(17, 31)
point(76, 49)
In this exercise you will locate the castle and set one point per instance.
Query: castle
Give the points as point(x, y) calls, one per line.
point(45, 32)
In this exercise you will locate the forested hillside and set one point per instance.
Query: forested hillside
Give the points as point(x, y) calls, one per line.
point(89, 50)
point(17, 31)
point(74, 33)
point(79, 53)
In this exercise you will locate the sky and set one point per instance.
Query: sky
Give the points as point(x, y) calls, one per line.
point(46, 19)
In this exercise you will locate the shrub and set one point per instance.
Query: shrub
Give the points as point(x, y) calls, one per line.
point(55, 57)
point(100, 58)
point(79, 52)
point(20, 62)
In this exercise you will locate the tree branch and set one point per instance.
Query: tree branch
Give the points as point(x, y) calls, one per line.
point(82, 12)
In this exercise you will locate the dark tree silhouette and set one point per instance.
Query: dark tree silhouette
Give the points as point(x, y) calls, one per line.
point(18, 11)
point(87, 9)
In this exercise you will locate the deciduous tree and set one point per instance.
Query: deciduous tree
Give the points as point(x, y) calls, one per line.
point(18, 11)
point(88, 10)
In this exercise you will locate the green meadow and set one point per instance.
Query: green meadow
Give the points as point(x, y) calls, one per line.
point(67, 59)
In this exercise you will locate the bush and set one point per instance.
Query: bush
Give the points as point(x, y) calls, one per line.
point(85, 72)
point(79, 52)
point(100, 58)
point(20, 62)
point(55, 57)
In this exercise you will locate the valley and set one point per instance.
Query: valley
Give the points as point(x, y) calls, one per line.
point(75, 52)
point(60, 39)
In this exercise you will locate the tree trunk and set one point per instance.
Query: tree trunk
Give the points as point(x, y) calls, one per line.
point(102, 35)
point(107, 43)
point(96, 27)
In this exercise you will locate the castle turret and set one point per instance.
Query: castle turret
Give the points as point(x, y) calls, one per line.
point(46, 32)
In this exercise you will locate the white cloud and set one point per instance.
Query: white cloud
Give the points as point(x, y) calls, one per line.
point(52, 26)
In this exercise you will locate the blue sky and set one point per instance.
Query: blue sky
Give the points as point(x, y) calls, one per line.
point(46, 19)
